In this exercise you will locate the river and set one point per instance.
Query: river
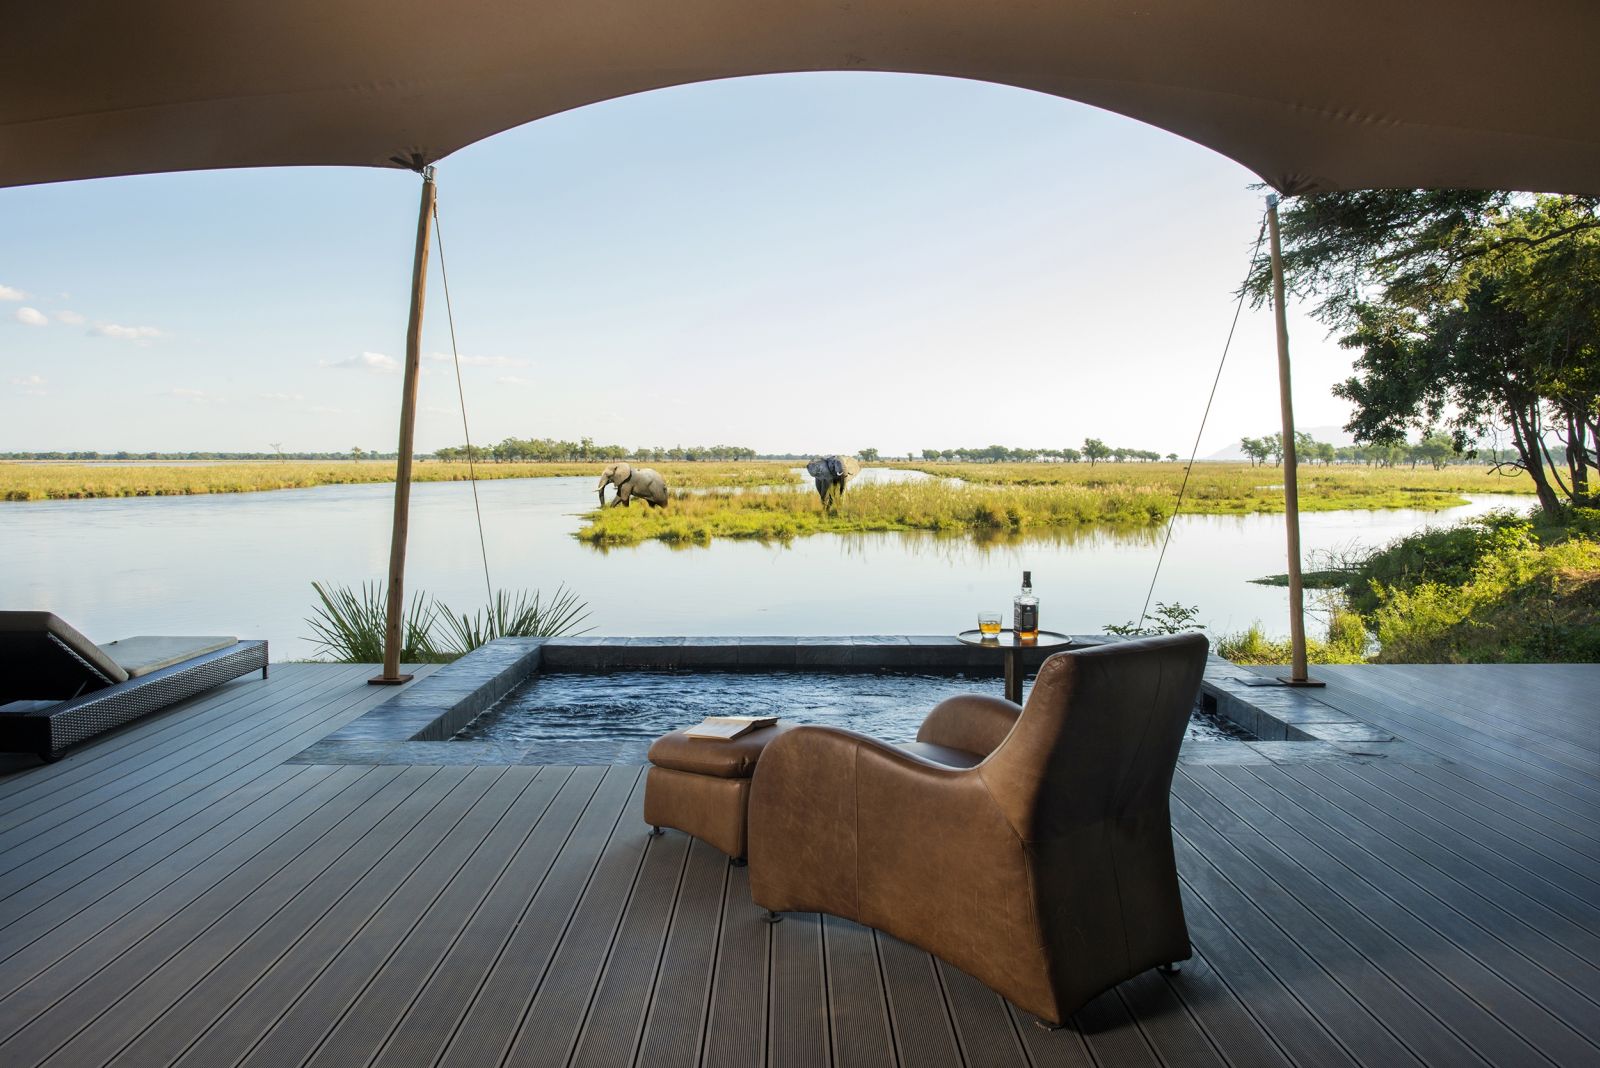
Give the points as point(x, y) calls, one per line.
point(243, 564)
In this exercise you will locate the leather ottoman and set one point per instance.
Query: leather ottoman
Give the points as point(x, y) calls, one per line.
point(702, 787)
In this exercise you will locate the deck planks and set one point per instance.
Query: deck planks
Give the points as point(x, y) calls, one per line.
point(176, 893)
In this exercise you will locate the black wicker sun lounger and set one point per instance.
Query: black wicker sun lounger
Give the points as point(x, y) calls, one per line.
point(57, 688)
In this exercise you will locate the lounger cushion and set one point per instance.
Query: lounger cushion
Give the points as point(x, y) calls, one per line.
point(735, 759)
point(151, 652)
point(41, 658)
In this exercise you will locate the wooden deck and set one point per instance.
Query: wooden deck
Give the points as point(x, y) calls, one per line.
point(178, 894)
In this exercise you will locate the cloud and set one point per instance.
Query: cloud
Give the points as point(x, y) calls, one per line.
point(28, 380)
point(30, 316)
point(287, 398)
point(375, 362)
point(71, 318)
point(478, 361)
point(7, 293)
point(193, 396)
point(513, 380)
point(126, 333)
point(322, 409)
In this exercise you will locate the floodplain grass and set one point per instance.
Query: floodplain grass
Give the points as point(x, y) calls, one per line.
point(1323, 487)
point(66, 481)
point(1026, 498)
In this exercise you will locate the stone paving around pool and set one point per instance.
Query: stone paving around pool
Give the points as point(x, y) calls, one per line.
point(1290, 725)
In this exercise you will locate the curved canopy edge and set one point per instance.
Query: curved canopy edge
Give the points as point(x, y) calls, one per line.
point(1308, 94)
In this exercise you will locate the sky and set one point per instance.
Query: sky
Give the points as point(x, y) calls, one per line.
point(795, 263)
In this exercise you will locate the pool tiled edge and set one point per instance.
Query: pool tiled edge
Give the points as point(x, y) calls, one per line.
point(415, 724)
point(1291, 725)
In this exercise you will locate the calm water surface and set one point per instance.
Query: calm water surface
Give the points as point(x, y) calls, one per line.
point(243, 564)
point(614, 718)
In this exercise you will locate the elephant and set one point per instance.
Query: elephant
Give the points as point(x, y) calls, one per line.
point(641, 482)
point(831, 473)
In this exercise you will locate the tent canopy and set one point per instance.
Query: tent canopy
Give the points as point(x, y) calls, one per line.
point(1309, 94)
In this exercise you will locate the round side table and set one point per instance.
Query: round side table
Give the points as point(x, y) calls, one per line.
point(1013, 646)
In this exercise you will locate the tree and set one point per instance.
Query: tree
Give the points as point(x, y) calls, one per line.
point(1172, 457)
point(357, 453)
point(1469, 311)
point(1095, 449)
point(1435, 449)
point(868, 456)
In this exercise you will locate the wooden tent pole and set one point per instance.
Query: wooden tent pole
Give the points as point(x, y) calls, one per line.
point(393, 638)
point(1291, 481)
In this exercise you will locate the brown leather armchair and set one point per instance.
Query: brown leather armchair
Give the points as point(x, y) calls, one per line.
point(1031, 850)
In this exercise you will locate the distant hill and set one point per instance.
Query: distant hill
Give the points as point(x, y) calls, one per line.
point(1336, 435)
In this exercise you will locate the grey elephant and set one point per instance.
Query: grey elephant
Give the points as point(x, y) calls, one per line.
point(642, 482)
point(831, 473)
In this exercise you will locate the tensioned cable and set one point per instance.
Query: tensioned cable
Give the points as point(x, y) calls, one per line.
point(1195, 452)
point(461, 392)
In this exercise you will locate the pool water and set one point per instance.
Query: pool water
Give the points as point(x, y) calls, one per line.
point(613, 718)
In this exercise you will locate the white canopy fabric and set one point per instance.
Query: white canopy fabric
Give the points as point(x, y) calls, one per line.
point(1309, 94)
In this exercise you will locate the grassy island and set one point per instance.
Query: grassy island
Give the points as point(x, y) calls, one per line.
point(1012, 499)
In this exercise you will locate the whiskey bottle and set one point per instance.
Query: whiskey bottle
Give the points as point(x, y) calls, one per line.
point(1025, 611)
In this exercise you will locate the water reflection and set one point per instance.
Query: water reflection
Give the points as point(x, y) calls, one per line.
point(243, 563)
point(955, 546)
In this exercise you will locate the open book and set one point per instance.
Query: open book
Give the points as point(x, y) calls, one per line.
point(727, 728)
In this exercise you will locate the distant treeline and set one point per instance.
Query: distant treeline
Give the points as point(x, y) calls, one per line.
point(1435, 449)
point(82, 456)
point(550, 450)
point(1092, 451)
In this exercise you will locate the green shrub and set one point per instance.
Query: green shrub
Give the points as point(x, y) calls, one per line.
point(1346, 643)
point(1526, 604)
point(1444, 555)
point(1173, 618)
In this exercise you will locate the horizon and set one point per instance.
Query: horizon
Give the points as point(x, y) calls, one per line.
point(1343, 439)
point(844, 260)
